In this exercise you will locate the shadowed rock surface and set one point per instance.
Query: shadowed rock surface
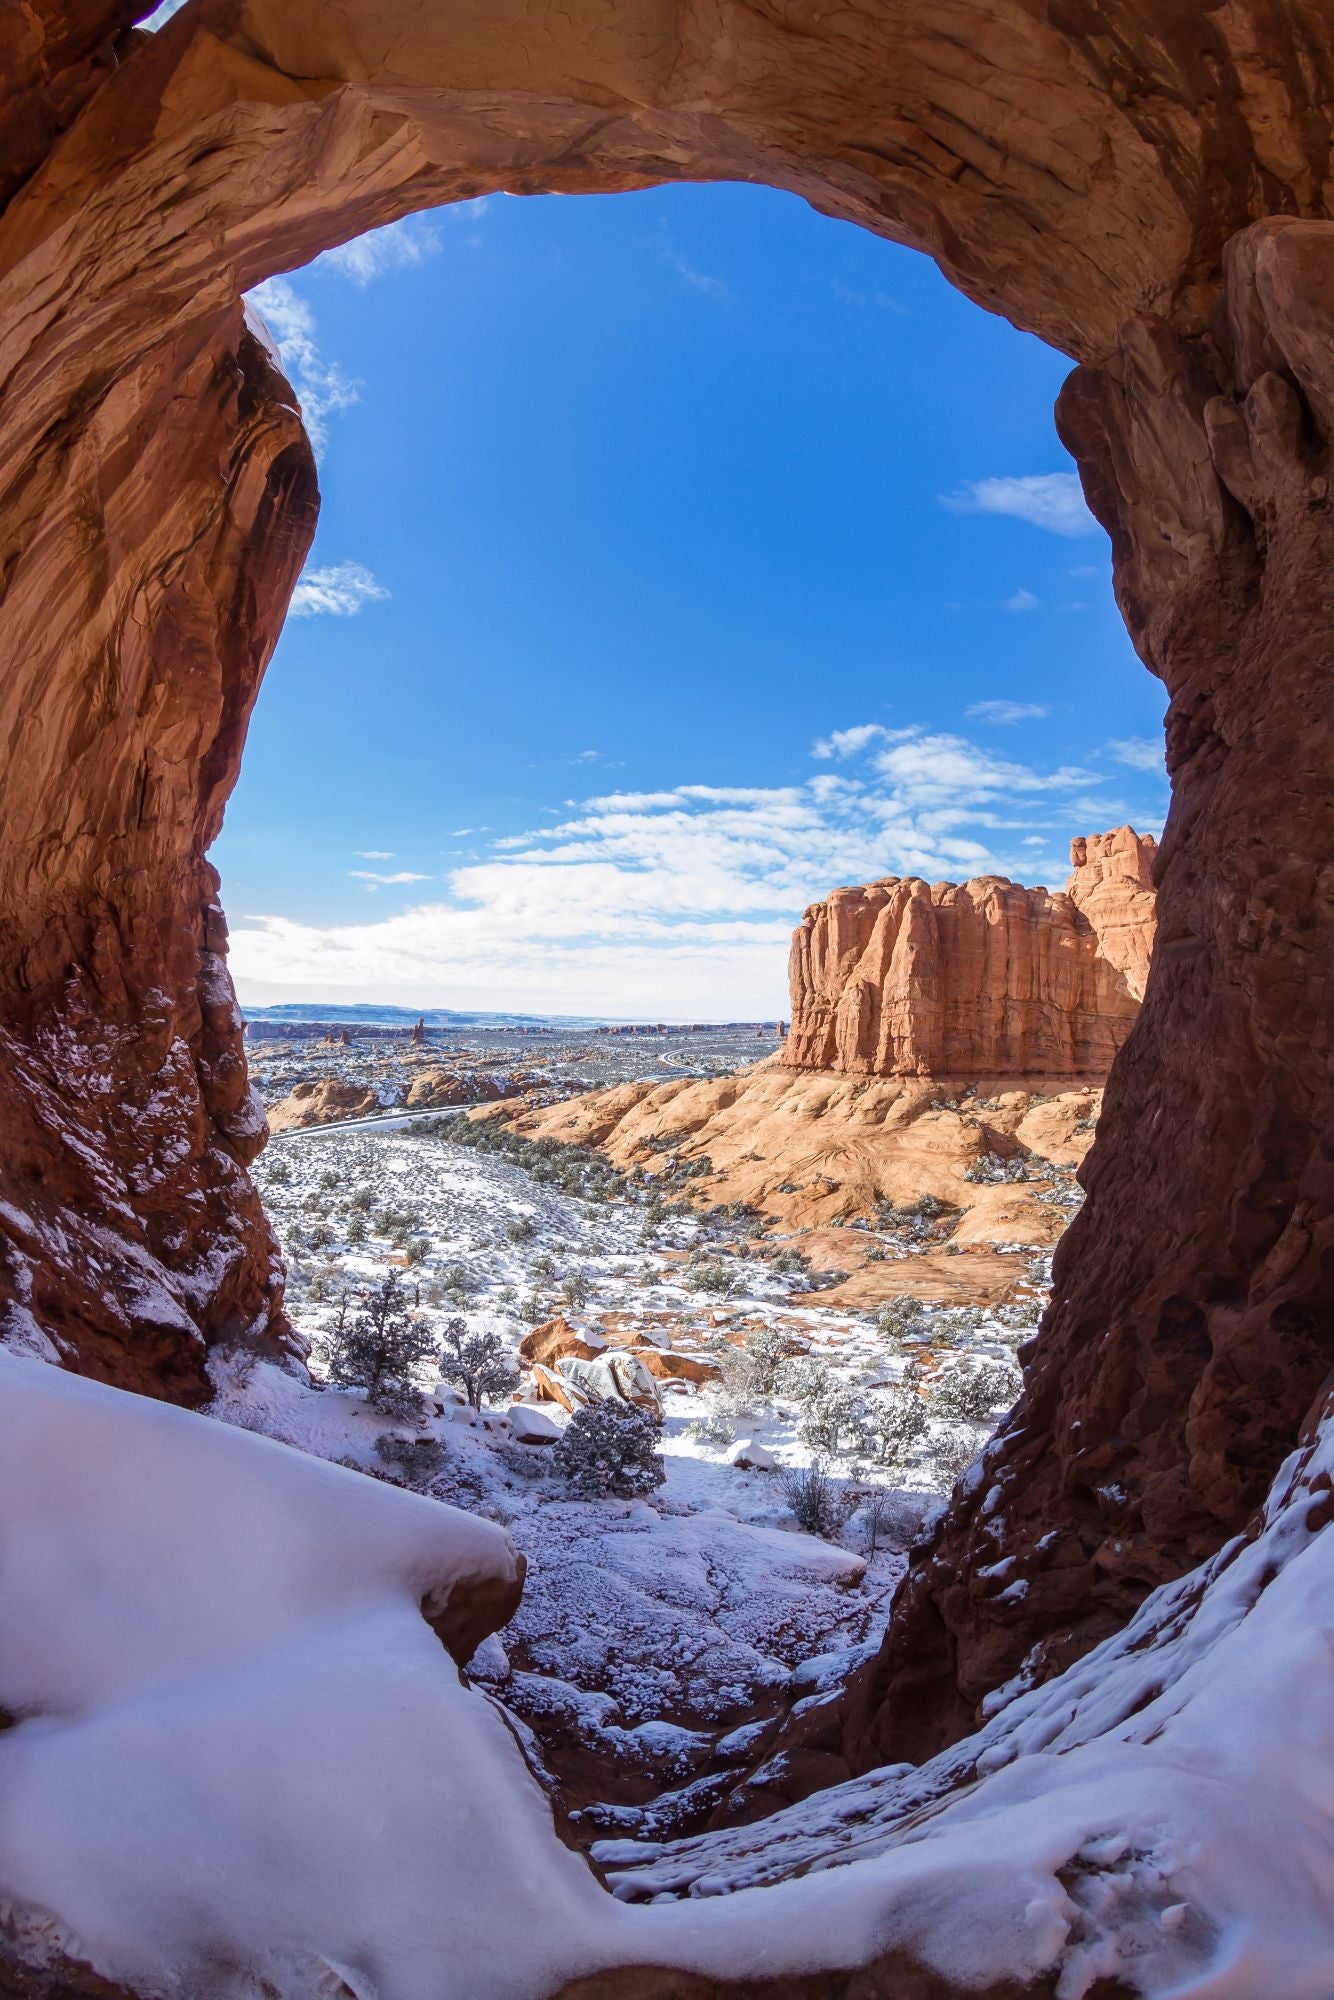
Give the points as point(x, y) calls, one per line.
point(1144, 186)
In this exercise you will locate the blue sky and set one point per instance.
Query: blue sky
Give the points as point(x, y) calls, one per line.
point(683, 555)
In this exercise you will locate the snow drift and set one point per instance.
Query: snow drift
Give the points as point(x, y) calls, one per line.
point(241, 1755)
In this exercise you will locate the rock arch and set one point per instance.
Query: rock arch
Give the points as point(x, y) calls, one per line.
point(1146, 187)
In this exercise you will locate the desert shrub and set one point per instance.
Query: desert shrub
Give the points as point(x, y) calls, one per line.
point(890, 1519)
point(875, 1512)
point(362, 1199)
point(418, 1249)
point(544, 1265)
point(990, 1168)
point(328, 1180)
point(378, 1349)
point(477, 1362)
point(952, 1458)
point(711, 1275)
point(417, 1459)
point(755, 1368)
point(531, 1309)
point(356, 1228)
point(893, 1425)
point(320, 1288)
point(456, 1283)
point(575, 1289)
point(790, 1261)
point(816, 1503)
point(973, 1391)
point(519, 1228)
point(610, 1448)
point(320, 1235)
point(898, 1318)
point(280, 1173)
point(832, 1419)
point(715, 1423)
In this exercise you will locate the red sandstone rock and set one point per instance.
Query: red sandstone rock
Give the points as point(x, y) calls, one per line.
point(905, 979)
point(553, 1339)
point(157, 499)
point(322, 1100)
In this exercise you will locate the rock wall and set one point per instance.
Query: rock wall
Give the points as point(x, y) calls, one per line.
point(157, 498)
point(1194, 1293)
point(903, 978)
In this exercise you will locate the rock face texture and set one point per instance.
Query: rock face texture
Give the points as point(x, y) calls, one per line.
point(323, 1100)
point(907, 979)
point(157, 499)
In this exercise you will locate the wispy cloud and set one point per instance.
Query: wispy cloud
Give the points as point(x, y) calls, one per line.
point(1007, 712)
point(321, 386)
point(374, 853)
point(842, 743)
point(376, 881)
point(399, 246)
point(1021, 600)
point(1051, 500)
point(681, 901)
point(336, 589)
point(1140, 753)
point(704, 282)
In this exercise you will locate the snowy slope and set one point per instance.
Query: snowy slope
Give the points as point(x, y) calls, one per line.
point(243, 1755)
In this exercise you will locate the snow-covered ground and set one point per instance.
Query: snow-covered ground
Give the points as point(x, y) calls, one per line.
point(651, 1631)
point(240, 1763)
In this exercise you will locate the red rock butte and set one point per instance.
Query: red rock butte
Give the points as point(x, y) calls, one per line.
point(1148, 188)
point(904, 978)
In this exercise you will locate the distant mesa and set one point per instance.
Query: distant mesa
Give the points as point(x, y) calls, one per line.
point(907, 978)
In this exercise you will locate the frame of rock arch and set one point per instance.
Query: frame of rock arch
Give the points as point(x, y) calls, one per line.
point(1142, 184)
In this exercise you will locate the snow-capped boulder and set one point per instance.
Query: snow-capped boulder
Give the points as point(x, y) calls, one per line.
point(530, 1426)
point(751, 1457)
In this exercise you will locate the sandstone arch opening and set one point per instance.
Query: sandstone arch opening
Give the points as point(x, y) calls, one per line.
point(158, 501)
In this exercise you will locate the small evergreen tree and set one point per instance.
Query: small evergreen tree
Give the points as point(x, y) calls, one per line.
point(610, 1448)
point(380, 1348)
point(477, 1362)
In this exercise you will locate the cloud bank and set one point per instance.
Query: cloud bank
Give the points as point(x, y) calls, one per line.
point(679, 903)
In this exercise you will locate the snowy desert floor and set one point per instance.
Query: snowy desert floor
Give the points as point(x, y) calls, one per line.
point(656, 1637)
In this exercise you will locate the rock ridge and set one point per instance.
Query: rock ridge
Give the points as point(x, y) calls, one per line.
point(908, 978)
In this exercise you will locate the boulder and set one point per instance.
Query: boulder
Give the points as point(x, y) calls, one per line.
point(667, 1365)
point(530, 1426)
point(752, 1457)
point(552, 1341)
point(616, 1377)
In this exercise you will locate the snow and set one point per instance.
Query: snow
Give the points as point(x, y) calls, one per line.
point(244, 1761)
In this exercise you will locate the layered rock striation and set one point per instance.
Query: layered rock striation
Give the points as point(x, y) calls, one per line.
point(905, 978)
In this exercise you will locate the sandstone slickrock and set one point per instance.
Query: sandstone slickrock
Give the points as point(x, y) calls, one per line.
point(905, 979)
point(1144, 186)
point(323, 1100)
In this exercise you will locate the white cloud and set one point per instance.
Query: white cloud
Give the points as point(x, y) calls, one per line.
point(397, 247)
point(1050, 500)
point(698, 281)
point(1022, 600)
point(1007, 711)
point(1141, 753)
point(374, 853)
point(374, 881)
point(849, 742)
point(339, 589)
point(321, 386)
point(680, 902)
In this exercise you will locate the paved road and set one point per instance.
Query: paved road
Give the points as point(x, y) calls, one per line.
point(386, 1122)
